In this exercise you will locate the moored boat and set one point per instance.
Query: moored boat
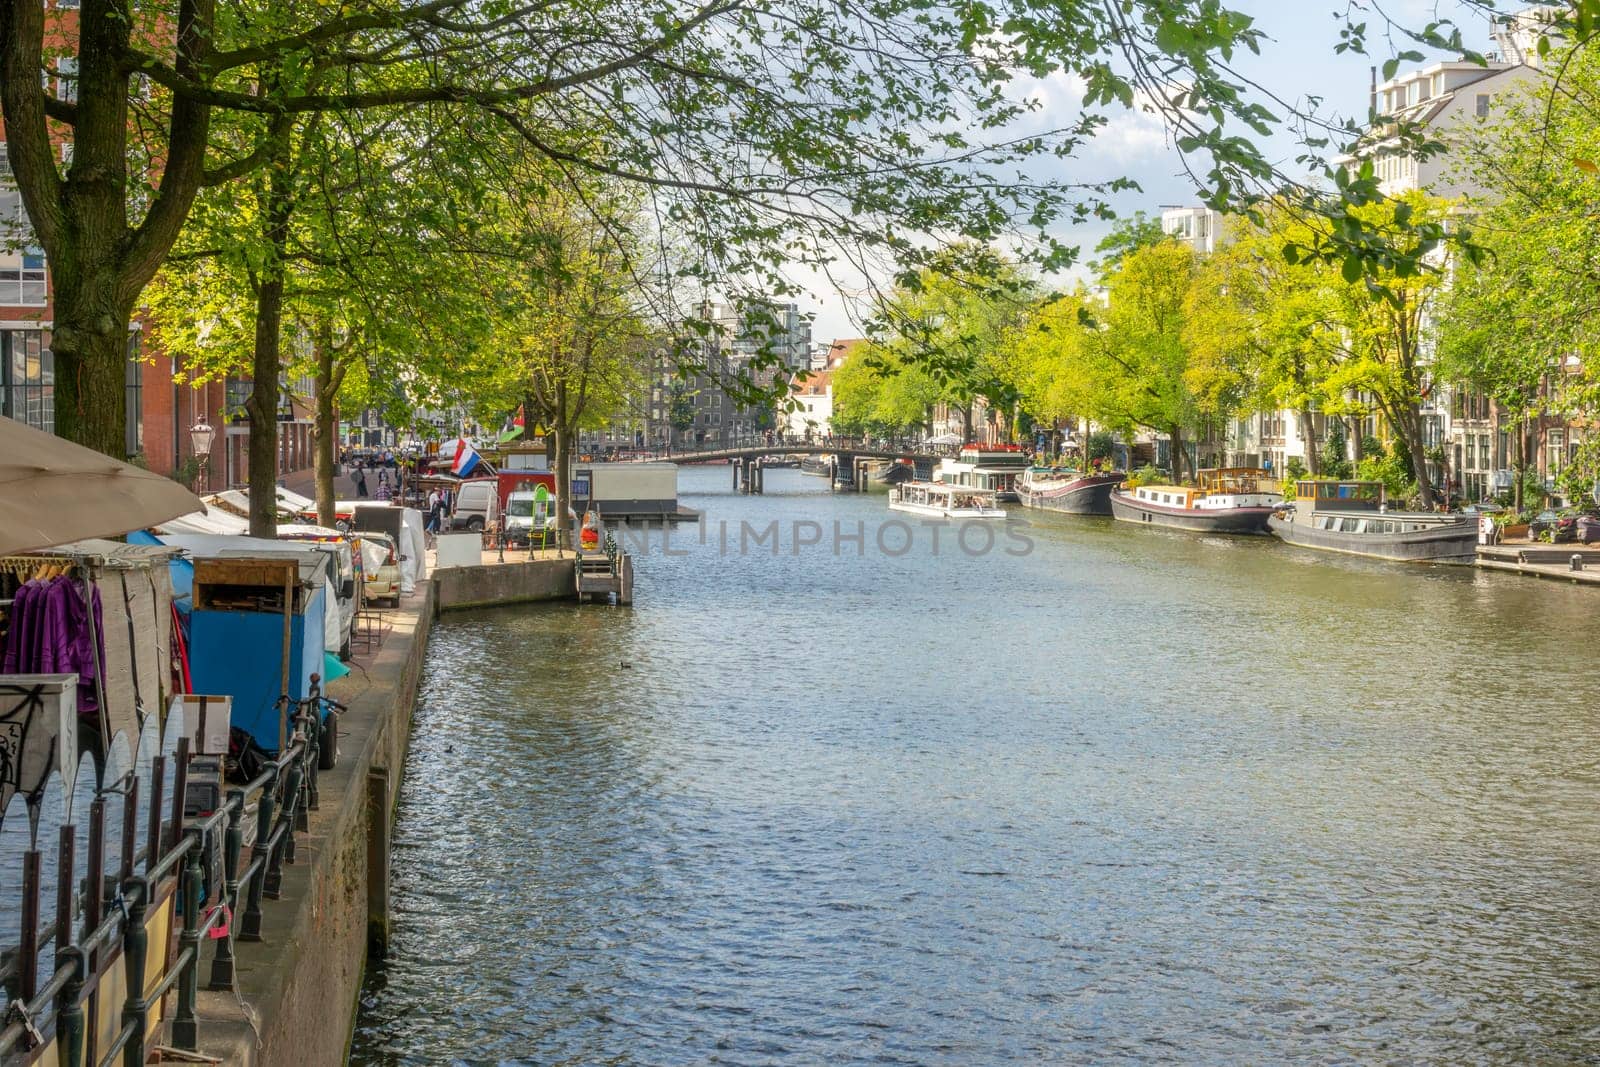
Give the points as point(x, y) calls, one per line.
point(991, 467)
point(1228, 500)
point(1068, 491)
point(1351, 517)
point(821, 465)
point(938, 500)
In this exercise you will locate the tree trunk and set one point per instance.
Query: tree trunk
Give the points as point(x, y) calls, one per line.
point(1409, 429)
point(1308, 434)
point(263, 403)
point(966, 422)
point(325, 433)
point(1353, 443)
point(1517, 496)
point(90, 345)
point(1175, 460)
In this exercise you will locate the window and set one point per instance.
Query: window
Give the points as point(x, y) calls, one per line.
point(1483, 105)
point(23, 286)
point(1413, 92)
point(30, 378)
point(134, 385)
point(67, 79)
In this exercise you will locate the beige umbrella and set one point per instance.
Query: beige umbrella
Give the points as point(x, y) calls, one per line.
point(53, 491)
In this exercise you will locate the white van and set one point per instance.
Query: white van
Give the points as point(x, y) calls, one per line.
point(525, 516)
point(477, 505)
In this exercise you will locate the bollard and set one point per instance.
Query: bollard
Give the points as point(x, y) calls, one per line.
point(1576, 562)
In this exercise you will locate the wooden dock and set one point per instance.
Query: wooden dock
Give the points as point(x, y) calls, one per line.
point(1569, 563)
point(601, 576)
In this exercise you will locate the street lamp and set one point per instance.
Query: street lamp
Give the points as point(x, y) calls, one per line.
point(201, 436)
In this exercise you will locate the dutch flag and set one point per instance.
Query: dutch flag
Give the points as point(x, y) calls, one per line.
point(467, 459)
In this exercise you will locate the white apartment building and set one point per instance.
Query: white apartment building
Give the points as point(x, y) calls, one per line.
point(1198, 227)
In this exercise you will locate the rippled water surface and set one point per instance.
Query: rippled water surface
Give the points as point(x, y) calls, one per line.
point(1129, 796)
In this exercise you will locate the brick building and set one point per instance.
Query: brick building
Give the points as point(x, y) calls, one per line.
point(160, 411)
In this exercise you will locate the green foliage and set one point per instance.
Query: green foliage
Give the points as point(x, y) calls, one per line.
point(1393, 470)
point(1332, 462)
point(1100, 445)
point(1147, 475)
point(1127, 235)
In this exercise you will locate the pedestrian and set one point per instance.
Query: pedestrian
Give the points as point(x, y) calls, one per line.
point(435, 507)
point(361, 484)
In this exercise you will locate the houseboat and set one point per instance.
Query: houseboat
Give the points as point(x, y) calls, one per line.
point(1068, 491)
point(938, 500)
point(1351, 517)
point(1230, 500)
point(819, 465)
point(991, 467)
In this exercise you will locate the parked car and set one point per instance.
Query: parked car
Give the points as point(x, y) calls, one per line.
point(381, 576)
point(477, 505)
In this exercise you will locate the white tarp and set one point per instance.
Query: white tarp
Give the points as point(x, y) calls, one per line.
point(292, 501)
point(415, 568)
point(321, 560)
point(214, 521)
point(332, 623)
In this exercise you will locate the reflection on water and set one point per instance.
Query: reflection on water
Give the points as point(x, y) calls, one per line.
point(1131, 796)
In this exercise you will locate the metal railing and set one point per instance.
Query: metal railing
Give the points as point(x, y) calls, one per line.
point(116, 905)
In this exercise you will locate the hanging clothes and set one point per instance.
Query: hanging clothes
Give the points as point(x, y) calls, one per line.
point(51, 633)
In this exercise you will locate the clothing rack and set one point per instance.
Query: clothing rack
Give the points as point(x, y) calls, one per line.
point(64, 564)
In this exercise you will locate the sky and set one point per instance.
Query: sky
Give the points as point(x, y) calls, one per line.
point(1297, 61)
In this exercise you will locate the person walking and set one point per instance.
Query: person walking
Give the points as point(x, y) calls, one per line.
point(361, 484)
point(435, 508)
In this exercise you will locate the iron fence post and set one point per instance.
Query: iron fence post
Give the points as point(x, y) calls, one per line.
point(285, 849)
point(69, 1007)
point(185, 1027)
point(250, 924)
point(135, 945)
point(233, 843)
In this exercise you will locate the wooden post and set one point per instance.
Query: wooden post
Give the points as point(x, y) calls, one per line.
point(378, 863)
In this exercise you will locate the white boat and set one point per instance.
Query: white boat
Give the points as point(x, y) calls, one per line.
point(993, 467)
point(940, 500)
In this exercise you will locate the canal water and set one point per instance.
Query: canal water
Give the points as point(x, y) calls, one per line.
point(1094, 794)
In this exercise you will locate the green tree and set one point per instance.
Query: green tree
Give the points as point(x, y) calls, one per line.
point(778, 133)
point(1519, 325)
point(1265, 334)
point(1133, 365)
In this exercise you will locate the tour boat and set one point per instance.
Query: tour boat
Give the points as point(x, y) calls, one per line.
point(945, 501)
point(1351, 517)
point(1228, 500)
point(992, 467)
point(1068, 491)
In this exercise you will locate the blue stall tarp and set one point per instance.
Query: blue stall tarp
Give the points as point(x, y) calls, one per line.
point(240, 654)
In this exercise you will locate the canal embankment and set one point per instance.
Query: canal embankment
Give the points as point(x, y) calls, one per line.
point(296, 989)
point(1566, 563)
